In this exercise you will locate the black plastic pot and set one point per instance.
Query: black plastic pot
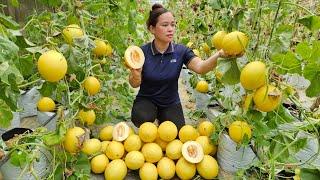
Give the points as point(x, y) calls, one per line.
point(11, 172)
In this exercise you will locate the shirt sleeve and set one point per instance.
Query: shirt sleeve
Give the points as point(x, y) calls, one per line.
point(188, 55)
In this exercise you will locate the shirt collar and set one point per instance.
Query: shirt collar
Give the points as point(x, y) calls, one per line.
point(155, 51)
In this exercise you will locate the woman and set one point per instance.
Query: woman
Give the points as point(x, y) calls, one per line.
point(158, 96)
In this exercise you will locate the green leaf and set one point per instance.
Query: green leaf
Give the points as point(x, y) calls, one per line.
point(281, 39)
point(52, 3)
point(312, 73)
point(230, 71)
point(52, 139)
point(18, 158)
point(9, 98)
point(200, 25)
point(315, 54)
point(82, 165)
point(74, 56)
point(215, 4)
point(311, 22)
point(183, 24)
point(278, 116)
point(5, 115)
point(299, 144)
point(9, 50)
point(25, 65)
point(288, 63)
point(8, 22)
point(309, 174)
point(261, 127)
point(303, 50)
point(58, 173)
point(13, 84)
point(47, 88)
point(131, 23)
point(15, 3)
point(237, 18)
point(278, 144)
point(6, 70)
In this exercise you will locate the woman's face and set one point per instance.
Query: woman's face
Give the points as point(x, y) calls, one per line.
point(165, 28)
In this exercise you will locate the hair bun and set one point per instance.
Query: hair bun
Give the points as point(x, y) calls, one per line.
point(156, 6)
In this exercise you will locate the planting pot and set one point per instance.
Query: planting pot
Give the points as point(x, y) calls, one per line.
point(184, 75)
point(41, 165)
point(48, 120)
point(15, 122)
point(213, 112)
point(309, 156)
point(230, 158)
point(28, 102)
point(202, 100)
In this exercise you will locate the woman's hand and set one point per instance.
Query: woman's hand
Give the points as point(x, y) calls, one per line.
point(135, 77)
point(223, 55)
point(136, 73)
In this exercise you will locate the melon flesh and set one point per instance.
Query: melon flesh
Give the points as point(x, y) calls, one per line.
point(120, 131)
point(134, 57)
point(192, 151)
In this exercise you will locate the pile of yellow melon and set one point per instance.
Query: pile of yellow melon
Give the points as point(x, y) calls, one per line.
point(156, 152)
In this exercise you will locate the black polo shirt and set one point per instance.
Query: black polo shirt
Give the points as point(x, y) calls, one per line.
point(160, 73)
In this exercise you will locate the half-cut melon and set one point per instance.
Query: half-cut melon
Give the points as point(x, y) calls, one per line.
point(192, 151)
point(120, 131)
point(134, 57)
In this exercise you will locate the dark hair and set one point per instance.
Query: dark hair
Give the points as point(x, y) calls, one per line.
point(157, 10)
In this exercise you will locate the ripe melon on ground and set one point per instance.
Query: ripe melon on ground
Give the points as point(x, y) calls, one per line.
point(188, 133)
point(134, 160)
point(148, 132)
point(102, 48)
point(202, 86)
point(99, 163)
point(185, 169)
point(208, 168)
point(166, 168)
point(152, 152)
point(148, 172)
point(207, 146)
point(167, 131)
point(134, 57)
point(73, 139)
point(104, 145)
point(116, 169)
point(206, 128)
point(106, 133)
point(174, 149)
point(115, 150)
point(91, 146)
point(132, 143)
